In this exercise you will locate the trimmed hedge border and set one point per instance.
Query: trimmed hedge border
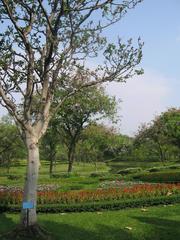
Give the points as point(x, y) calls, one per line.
point(97, 206)
point(159, 177)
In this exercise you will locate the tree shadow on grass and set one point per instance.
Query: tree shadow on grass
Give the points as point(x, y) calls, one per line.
point(161, 229)
point(6, 223)
point(102, 232)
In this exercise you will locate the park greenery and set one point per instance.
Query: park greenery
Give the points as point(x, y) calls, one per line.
point(143, 223)
point(61, 147)
point(111, 171)
point(76, 114)
point(45, 48)
point(155, 143)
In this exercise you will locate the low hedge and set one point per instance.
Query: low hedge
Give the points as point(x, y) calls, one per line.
point(98, 206)
point(129, 171)
point(163, 168)
point(159, 177)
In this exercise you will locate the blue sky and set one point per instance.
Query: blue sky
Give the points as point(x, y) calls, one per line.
point(157, 22)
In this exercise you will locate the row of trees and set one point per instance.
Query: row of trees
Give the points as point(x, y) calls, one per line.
point(96, 143)
point(77, 125)
point(78, 113)
point(74, 126)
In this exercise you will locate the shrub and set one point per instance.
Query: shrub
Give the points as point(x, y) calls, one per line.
point(158, 169)
point(155, 169)
point(174, 167)
point(159, 177)
point(97, 174)
point(110, 205)
point(56, 176)
point(13, 177)
point(129, 171)
point(97, 206)
point(110, 177)
point(76, 187)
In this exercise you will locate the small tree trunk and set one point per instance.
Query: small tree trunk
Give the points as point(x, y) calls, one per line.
point(52, 161)
point(51, 167)
point(30, 188)
point(161, 154)
point(71, 155)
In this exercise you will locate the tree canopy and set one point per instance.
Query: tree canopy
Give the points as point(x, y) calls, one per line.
point(45, 46)
point(162, 134)
point(78, 112)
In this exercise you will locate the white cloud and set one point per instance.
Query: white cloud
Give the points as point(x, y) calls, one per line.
point(142, 98)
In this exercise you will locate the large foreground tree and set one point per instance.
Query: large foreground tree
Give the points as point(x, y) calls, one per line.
point(44, 47)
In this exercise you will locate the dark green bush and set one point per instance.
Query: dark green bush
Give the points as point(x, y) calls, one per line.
point(76, 187)
point(13, 177)
point(155, 169)
point(97, 174)
point(56, 176)
point(129, 171)
point(159, 177)
point(111, 178)
point(158, 169)
point(174, 167)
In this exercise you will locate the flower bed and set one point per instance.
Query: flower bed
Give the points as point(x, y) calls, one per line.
point(43, 187)
point(136, 191)
point(118, 184)
point(98, 206)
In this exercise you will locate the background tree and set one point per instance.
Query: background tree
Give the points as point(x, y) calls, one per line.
point(77, 112)
point(49, 144)
point(161, 135)
point(171, 121)
point(44, 47)
point(153, 135)
point(11, 146)
point(100, 143)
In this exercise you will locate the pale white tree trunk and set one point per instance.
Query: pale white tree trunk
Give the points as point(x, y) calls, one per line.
point(30, 187)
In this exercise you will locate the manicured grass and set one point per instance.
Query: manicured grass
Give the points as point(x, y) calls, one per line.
point(79, 179)
point(60, 168)
point(157, 223)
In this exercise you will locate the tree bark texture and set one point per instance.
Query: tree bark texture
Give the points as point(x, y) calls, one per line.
point(30, 187)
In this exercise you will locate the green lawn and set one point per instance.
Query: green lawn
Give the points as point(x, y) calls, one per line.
point(79, 179)
point(157, 223)
point(60, 168)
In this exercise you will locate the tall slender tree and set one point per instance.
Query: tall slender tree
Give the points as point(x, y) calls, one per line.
point(44, 47)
